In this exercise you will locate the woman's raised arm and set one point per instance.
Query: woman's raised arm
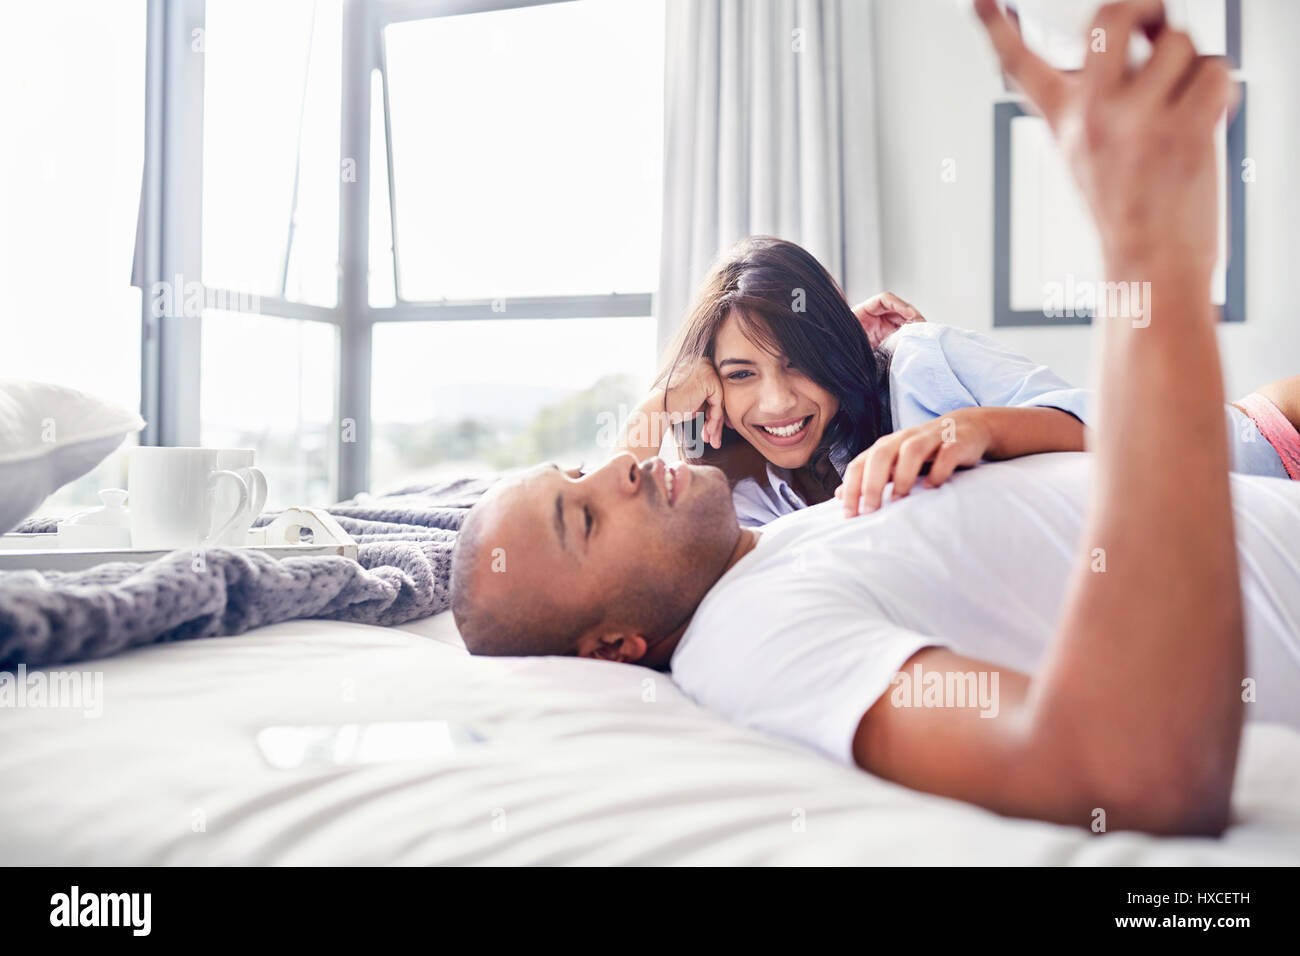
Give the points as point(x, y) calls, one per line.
point(694, 391)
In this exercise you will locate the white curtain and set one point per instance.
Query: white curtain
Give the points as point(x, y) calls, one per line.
point(769, 128)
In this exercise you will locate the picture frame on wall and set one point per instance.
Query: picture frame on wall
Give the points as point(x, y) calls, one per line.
point(1046, 260)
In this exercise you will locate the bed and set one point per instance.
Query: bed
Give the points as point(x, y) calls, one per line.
point(583, 762)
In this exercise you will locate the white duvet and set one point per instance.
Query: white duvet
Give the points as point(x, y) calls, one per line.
point(584, 762)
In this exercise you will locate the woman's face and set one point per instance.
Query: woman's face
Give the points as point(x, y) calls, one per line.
point(774, 406)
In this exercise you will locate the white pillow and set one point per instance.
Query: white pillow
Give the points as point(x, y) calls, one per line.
point(49, 436)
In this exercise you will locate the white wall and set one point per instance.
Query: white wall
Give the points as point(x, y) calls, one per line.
point(937, 81)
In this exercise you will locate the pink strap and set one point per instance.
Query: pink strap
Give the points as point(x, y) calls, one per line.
point(1275, 428)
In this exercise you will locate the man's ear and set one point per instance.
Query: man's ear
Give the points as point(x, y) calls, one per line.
point(625, 648)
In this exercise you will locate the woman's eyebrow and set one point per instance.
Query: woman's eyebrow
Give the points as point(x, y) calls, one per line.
point(731, 361)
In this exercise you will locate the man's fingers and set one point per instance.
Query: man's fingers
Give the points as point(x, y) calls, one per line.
point(1042, 84)
point(1209, 93)
point(1109, 38)
point(1167, 70)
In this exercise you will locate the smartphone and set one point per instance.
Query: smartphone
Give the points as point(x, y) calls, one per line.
point(339, 745)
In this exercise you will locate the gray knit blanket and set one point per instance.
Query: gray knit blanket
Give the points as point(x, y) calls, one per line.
point(401, 573)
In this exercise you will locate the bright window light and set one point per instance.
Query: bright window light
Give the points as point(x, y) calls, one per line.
point(462, 397)
point(380, 283)
point(527, 150)
point(269, 384)
point(271, 165)
point(73, 119)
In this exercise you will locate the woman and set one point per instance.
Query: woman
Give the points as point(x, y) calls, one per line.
point(804, 398)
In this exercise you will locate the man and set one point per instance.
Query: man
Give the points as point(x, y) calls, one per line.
point(1106, 641)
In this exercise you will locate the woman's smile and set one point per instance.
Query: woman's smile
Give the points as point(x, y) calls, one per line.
point(786, 433)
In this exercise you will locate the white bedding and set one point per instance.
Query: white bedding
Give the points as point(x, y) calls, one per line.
point(584, 762)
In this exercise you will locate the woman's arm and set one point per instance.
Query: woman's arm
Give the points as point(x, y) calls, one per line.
point(961, 438)
point(694, 393)
point(643, 432)
point(1014, 432)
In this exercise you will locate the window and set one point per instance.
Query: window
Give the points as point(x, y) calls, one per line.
point(513, 175)
point(526, 150)
point(271, 104)
point(507, 393)
point(73, 116)
point(271, 95)
point(268, 384)
point(455, 217)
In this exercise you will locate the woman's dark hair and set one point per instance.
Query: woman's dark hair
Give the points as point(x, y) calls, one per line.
point(787, 303)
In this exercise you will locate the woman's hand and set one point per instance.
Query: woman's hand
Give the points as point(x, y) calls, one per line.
point(962, 437)
point(696, 388)
point(884, 314)
point(959, 438)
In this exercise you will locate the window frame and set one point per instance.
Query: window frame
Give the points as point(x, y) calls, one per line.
point(170, 240)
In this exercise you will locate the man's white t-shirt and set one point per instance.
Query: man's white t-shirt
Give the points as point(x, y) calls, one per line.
point(807, 631)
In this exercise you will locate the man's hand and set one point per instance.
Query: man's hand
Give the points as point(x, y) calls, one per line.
point(1143, 676)
point(1138, 142)
point(1136, 709)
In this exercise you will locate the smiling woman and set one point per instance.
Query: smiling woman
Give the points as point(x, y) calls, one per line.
point(805, 398)
point(802, 388)
point(769, 400)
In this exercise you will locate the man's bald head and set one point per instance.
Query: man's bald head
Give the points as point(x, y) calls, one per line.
point(563, 563)
point(490, 620)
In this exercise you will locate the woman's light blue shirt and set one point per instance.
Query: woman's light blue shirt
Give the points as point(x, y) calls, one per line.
point(937, 369)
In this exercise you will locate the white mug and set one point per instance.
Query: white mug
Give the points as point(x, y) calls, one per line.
point(189, 497)
point(240, 461)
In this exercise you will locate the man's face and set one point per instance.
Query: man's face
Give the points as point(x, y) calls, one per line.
point(640, 542)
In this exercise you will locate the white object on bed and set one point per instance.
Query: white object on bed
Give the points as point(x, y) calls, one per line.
point(49, 436)
point(584, 762)
point(108, 526)
point(296, 533)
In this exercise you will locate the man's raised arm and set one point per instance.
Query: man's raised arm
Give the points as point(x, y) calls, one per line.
point(1137, 709)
